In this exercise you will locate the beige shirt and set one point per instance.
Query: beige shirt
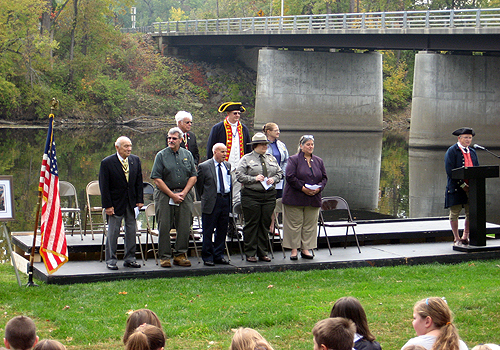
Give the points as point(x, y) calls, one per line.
point(250, 166)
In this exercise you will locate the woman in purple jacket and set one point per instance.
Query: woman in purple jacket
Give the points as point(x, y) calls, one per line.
point(305, 179)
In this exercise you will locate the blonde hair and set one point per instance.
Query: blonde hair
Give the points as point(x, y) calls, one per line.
point(486, 347)
point(437, 309)
point(49, 344)
point(414, 347)
point(269, 127)
point(249, 339)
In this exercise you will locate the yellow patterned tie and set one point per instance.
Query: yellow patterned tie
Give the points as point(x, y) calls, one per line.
point(125, 167)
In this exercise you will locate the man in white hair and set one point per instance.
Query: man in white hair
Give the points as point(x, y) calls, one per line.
point(184, 122)
point(120, 182)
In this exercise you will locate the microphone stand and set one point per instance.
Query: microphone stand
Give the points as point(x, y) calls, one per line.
point(490, 152)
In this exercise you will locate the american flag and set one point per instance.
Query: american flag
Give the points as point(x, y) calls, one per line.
point(53, 247)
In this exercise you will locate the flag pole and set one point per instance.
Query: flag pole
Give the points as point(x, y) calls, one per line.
point(53, 105)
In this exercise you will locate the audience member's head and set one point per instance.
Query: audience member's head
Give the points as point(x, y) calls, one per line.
point(350, 307)
point(414, 347)
point(49, 344)
point(20, 333)
point(486, 347)
point(335, 333)
point(146, 337)
point(137, 318)
point(434, 314)
point(249, 339)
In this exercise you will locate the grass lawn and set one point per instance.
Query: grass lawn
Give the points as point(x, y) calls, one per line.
point(200, 312)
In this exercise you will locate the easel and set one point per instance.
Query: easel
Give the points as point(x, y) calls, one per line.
point(6, 235)
point(7, 214)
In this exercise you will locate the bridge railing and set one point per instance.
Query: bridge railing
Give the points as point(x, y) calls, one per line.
point(466, 18)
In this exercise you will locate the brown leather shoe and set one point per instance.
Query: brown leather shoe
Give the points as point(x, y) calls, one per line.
point(182, 261)
point(165, 263)
point(265, 258)
point(251, 259)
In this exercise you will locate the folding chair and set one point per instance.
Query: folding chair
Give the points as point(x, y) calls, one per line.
point(236, 225)
point(278, 226)
point(151, 231)
point(69, 205)
point(331, 204)
point(150, 215)
point(92, 190)
point(121, 235)
point(148, 190)
point(197, 228)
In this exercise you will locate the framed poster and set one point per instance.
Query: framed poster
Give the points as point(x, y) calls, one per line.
point(6, 198)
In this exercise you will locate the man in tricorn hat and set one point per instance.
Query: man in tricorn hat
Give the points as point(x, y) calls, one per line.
point(234, 135)
point(457, 191)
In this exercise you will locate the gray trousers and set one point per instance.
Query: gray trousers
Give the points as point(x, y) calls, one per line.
point(170, 216)
point(114, 224)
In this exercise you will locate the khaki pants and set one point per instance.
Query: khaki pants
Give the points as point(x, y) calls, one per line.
point(299, 227)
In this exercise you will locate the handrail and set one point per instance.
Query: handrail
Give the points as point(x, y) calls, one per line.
point(387, 21)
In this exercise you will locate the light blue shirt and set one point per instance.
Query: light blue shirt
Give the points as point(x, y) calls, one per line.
point(226, 177)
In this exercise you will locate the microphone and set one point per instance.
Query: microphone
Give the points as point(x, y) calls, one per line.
point(484, 149)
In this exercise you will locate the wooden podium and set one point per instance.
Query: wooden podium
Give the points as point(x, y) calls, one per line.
point(477, 203)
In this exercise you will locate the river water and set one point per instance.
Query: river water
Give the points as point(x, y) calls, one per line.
point(372, 171)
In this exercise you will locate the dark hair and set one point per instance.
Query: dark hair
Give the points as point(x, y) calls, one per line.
point(146, 337)
point(335, 333)
point(350, 307)
point(137, 318)
point(20, 332)
point(49, 344)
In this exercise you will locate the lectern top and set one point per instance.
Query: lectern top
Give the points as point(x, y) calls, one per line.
point(475, 172)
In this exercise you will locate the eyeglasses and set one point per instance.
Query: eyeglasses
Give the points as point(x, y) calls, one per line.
point(188, 122)
point(234, 113)
point(172, 138)
point(305, 138)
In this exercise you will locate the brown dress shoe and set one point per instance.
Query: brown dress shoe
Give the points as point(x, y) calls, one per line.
point(165, 263)
point(265, 258)
point(182, 261)
point(251, 259)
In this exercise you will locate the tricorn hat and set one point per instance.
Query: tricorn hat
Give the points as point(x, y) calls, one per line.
point(464, 130)
point(258, 138)
point(232, 106)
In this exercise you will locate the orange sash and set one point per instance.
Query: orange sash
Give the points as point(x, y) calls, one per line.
point(229, 138)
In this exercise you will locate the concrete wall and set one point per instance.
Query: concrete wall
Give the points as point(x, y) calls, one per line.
point(428, 184)
point(352, 161)
point(319, 90)
point(451, 91)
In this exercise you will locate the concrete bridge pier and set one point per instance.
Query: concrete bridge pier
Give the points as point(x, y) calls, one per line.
point(328, 91)
point(451, 91)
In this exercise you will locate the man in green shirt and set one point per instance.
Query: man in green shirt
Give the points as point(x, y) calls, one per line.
point(174, 174)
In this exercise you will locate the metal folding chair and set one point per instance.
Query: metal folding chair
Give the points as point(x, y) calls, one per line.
point(92, 190)
point(331, 204)
point(121, 235)
point(70, 206)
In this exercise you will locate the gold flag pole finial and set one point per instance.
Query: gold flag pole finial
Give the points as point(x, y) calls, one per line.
point(54, 104)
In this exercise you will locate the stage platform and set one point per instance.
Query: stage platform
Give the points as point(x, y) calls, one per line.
point(383, 243)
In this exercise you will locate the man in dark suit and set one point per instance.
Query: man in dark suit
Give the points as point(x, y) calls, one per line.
point(120, 181)
point(184, 121)
point(457, 191)
point(214, 188)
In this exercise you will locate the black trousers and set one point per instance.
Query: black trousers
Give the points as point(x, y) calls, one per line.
point(258, 208)
point(213, 250)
